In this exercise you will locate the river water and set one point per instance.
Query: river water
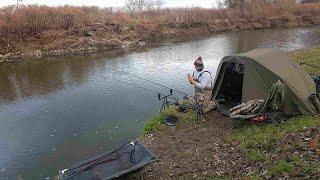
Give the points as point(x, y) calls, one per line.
point(57, 112)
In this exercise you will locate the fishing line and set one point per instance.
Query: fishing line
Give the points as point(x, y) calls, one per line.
point(147, 80)
point(311, 65)
point(144, 88)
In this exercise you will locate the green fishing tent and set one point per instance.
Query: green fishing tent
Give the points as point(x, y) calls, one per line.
point(250, 75)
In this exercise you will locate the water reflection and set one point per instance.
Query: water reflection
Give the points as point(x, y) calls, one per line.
point(41, 77)
point(286, 39)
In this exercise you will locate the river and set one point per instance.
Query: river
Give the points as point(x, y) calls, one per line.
point(55, 113)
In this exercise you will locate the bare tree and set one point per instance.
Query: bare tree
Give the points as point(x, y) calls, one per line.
point(154, 4)
point(140, 5)
point(18, 3)
point(129, 5)
point(221, 4)
point(159, 4)
point(235, 3)
point(135, 5)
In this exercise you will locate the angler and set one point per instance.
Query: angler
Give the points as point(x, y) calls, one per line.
point(202, 81)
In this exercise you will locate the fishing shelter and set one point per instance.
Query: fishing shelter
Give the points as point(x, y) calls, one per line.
point(247, 76)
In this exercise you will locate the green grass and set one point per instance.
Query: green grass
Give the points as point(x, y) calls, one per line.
point(314, 167)
point(156, 121)
point(258, 142)
point(281, 167)
point(255, 155)
point(307, 167)
point(262, 137)
point(310, 56)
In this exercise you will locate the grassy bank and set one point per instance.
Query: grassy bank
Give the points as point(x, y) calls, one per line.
point(281, 150)
point(310, 56)
point(287, 150)
point(157, 122)
point(40, 31)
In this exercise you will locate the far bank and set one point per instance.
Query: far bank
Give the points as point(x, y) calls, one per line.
point(32, 32)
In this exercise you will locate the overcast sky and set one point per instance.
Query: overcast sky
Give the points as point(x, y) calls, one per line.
point(112, 3)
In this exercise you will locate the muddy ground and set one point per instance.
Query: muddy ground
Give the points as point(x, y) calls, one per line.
point(193, 150)
point(201, 150)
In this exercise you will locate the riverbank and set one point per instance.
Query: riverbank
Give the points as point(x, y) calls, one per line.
point(33, 32)
point(216, 149)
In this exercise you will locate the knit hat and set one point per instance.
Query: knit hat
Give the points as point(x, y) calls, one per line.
point(199, 62)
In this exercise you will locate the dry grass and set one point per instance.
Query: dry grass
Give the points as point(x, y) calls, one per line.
point(41, 24)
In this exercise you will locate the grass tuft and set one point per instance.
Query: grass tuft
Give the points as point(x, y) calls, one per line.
point(155, 123)
point(157, 120)
point(280, 168)
point(255, 155)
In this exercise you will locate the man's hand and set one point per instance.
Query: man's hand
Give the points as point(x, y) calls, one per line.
point(191, 80)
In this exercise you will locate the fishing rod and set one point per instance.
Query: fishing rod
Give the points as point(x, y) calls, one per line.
point(158, 84)
point(311, 65)
point(161, 97)
point(166, 103)
point(133, 85)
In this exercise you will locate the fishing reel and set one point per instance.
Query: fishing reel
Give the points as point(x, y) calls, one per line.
point(161, 97)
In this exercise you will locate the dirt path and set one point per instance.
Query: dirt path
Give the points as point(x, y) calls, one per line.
point(194, 150)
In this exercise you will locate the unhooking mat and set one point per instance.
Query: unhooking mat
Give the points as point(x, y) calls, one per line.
point(124, 160)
